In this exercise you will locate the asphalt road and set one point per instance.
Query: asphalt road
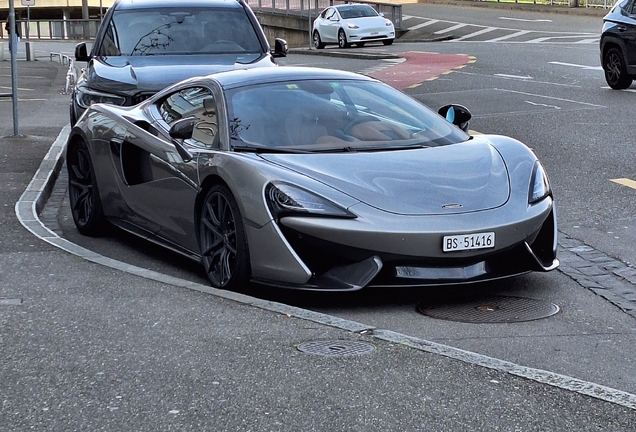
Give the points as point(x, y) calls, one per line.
point(512, 89)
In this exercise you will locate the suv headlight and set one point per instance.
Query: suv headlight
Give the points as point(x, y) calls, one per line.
point(285, 199)
point(539, 184)
point(352, 26)
point(86, 97)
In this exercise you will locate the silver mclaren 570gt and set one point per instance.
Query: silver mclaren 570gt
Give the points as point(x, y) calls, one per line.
point(313, 179)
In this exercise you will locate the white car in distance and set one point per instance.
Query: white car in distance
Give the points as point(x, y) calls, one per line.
point(351, 24)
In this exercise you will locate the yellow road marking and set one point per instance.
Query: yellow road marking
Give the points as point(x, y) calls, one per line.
point(625, 182)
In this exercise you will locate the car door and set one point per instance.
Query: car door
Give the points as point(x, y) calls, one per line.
point(331, 26)
point(161, 186)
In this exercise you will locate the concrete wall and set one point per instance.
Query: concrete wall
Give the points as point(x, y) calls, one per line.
point(294, 29)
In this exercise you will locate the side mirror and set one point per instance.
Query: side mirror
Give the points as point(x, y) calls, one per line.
point(81, 52)
point(280, 48)
point(457, 115)
point(182, 130)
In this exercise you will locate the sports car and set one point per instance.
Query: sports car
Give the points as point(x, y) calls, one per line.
point(351, 23)
point(313, 179)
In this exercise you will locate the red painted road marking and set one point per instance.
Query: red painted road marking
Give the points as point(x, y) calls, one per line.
point(419, 67)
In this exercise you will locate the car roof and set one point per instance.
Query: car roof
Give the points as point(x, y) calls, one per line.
point(242, 77)
point(147, 4)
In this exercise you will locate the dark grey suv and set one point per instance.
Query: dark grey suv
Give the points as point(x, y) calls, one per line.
point(142, 46)
point(618, 45)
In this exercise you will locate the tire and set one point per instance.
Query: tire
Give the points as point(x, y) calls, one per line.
point(615, 70)
point(360, 44)
point(222, 240)
point(342, 39)
point(72, 117)
point(388, 42)
point(86, 204)
point(317, 41)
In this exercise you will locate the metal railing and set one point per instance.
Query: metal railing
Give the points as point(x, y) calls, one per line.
point(56, 29)
point(314, 7)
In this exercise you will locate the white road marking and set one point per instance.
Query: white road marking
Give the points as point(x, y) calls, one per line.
point(424, 24)
point(477, 33)
point(552, 97)
point(577, 65)
point(515, 76)
point(525, 20)
point(510, 36)
point(544, 105)
point(450, 29)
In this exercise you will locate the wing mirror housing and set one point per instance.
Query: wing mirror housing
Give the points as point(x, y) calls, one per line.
point(182, 130)
point(81, 52)
point(457, 115)
point(280, 48)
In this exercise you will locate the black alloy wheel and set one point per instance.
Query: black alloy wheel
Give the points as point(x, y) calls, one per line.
point(342, 39)
point(317, 41)
point(222, 240)
point(615, 70)
point(86, 205)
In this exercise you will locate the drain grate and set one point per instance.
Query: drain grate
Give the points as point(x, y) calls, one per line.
point(491, 309)
point(337, 348)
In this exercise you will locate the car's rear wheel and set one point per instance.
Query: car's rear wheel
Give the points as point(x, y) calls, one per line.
point(615, 70)
point(342, 39)
point(86, 205)
point(222, 240)
point(317, 41)
point(388, 42)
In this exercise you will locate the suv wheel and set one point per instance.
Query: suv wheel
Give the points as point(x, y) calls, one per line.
point(615, 70)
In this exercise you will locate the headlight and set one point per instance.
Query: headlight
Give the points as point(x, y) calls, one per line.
point(285, 199)
point(539, 185)
point(388, 22)
point(86, 98)
point(352, 26)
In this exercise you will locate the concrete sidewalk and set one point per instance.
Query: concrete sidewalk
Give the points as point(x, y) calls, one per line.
point(89, 343)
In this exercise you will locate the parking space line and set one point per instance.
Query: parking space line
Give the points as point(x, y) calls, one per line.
point(625, 182)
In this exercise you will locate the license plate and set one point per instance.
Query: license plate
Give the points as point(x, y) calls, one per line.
point(469, 242)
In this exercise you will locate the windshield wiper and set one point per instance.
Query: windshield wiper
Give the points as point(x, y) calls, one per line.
point(257, 149)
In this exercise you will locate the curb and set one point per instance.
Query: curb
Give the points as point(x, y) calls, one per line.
point(32, 201)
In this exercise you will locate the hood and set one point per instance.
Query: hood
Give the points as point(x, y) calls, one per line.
point(133, 74)
point(452, 179)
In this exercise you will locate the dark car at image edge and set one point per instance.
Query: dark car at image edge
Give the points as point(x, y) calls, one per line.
point(618, 45)
point(143, 46)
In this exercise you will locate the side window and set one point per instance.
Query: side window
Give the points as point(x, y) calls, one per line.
point(330, 13)
point(194, 102)
point(109, 45)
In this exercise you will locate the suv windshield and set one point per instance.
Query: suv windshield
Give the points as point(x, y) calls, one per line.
point(179, 31)
point(333, 115)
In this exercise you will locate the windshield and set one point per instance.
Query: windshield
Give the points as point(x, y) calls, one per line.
point(179, 31)
point(333, 115)
point(357, 11)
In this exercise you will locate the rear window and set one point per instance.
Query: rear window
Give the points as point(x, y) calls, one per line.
point(180, 31)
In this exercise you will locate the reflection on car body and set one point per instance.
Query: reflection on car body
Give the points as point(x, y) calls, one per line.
point(312, 179)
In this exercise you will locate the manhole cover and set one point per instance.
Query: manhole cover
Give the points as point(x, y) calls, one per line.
point(493, 309)
point(338, 348)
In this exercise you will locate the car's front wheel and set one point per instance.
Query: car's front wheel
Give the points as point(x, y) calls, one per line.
point(342, 40)
point(388, 42)
point(317, 41)
point(222, 240)
point(86, 205)
point(615, 69)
